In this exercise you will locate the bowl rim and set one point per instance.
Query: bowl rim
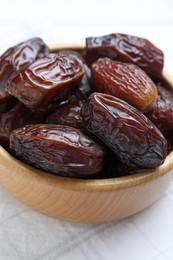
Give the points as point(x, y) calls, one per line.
point(99, 185)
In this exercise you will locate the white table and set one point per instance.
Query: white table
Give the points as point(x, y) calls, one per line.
point(25, 234)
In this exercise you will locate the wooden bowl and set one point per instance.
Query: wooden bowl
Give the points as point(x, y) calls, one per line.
point(85, 201)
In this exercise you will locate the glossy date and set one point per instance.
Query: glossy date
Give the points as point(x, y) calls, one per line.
point(19, 115)
point(57, 149)
point(47, 82)
point(162, 113)
point(125, 81)
point(17, 58)
point(133, 138)
point(126, 48)
point(85, 87)
point(67, 114)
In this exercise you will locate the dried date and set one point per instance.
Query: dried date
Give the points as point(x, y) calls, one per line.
point(57, 149)
point(17, 58)
point(126, 48)
point(17, 116)
point(85, 88)
point(133, 137)
point(162, 113)
point(125, 81)
point(47, 81)
point(67, 114)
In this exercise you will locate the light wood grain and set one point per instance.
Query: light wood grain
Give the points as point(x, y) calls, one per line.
point(87, 201)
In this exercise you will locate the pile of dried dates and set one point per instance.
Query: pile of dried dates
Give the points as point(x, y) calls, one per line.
point(98, 112)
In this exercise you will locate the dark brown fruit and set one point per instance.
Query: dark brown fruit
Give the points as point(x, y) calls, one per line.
point(57, 149)
point(67, 114)
point(162, 113)
point(85, 88)
point(126, 48)
point(131, 135)
point(17, 116)
point(17, 58)
point(46, 82)
point(125, 81)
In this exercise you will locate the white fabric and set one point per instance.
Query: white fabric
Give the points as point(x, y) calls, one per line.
point(25, 234)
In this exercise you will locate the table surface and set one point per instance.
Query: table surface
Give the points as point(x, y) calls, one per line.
point(25, 234)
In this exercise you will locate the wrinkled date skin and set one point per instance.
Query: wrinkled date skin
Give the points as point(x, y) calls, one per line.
point(17, 116)
point(162, 113)
point(17, 58)
point(125, 81)
point(85, 87)
point(52, 120)
point(57, 149)
point(67, 114)
point(131, 135)
point(46, 82)
point(126, 48)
